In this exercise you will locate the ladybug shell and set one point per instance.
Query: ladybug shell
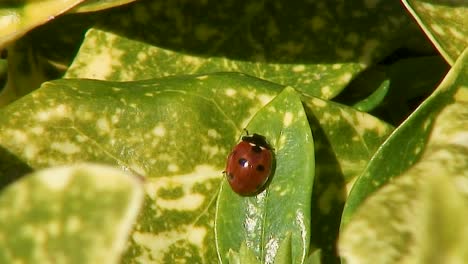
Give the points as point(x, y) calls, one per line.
point(248, 167)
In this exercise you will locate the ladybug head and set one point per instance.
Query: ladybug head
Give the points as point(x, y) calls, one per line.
point(257, 139)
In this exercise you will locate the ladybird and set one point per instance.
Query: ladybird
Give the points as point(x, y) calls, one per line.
point(249, 165)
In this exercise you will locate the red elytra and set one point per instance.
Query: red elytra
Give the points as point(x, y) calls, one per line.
point(249, 165)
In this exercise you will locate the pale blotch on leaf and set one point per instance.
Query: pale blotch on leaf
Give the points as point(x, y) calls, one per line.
point(345, 78)
point(53, 227)
point(185, 203)
point(81, 138)
point(230, 92)
point(428, 6)
point(212, 133)
point(190, 200)
point(329, 118)
point(456, 33)
point(283, 192)
point(142, 56)
point(172, 167)
point(102, 61)
point(159, 130)
point(57, 180)
point(287, 119)
point(437, 29)
point(427, 124)
point(264, 98)
point(37, 130)
point(337, 66)
point(417, 150)
point(73, 224)
point(157, 245)
point(191, 60)
point(102, 125)
point(318, 102)
point(8, 20)
point(461, 183)
point(461, 94)
point(65, 147)
point(326, 91)
point(30, 151)
point(17, 136)
point(203, 77)
point(211, 150)
point(39, 236)
point(58, 111)
point(366, 123)
point(298, 68)
point(84, 115)
point(149, 94)
point(460, 139)
point(115, 118)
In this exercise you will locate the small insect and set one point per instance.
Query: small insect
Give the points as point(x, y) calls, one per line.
point(249, 165)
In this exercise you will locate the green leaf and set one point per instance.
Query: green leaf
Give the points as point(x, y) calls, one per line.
point(345, 140)
point(420, 217)
point(284, 254)
point(314, 257)
point(374, 99)
point(265, 220)
point(138, 61)
point(274, 31)
point(18, 17)
point(245, 256)
point(74, 214)
point(158, 128)
point(405, 146)
point(444, 22)
point(311, 46)
point(65, 121)
point(97, 5)
point(42, 54)
point(442, 236)
point(411, 81)
point(382, 87)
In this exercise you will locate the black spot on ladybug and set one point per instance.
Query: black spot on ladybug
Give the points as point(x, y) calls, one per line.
point(260, 167)
point(256, 149)
point(243, 162)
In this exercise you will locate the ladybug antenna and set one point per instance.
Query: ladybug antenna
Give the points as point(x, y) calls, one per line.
point(246, 131)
